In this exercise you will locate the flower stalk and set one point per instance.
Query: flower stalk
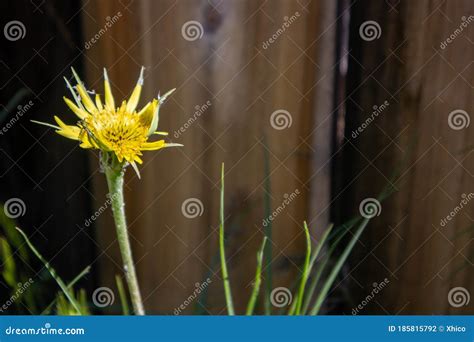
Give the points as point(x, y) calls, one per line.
point(115, 177)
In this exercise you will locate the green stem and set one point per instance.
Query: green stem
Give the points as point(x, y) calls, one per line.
point(115, 182)
point(225, 274)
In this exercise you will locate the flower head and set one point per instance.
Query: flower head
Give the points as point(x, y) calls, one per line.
point(121, 131)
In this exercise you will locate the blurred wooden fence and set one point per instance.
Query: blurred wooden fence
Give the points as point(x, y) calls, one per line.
point(242, 77)
point(246, 77)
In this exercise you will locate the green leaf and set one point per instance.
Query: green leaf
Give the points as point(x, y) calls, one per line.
point(257, 281)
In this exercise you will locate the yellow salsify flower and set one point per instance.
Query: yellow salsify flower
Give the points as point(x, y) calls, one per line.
point(122, 131)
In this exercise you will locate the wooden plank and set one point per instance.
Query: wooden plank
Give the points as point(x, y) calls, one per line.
point(244, 83)
point(423, 83)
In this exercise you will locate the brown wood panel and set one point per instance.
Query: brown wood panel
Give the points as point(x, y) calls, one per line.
point(244, 83)
point(423, 83)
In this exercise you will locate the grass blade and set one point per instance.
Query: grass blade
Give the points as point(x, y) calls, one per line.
point(69, 286)
point(335, 271)
point(315, 255)
point(306, 271)
point(123, 295)
point(257, 281)
point(53, 273)
point(268, 252)
point(225, 274)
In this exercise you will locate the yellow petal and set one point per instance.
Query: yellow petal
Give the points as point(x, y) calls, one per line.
point(86, 99)
point(155, 145)
point(79, 112)
point(109, 99)
point(98, 102)
point(146, 114)
point(135, 97)
point(71, 132)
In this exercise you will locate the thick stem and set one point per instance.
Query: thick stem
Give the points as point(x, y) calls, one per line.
point(115, 183)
